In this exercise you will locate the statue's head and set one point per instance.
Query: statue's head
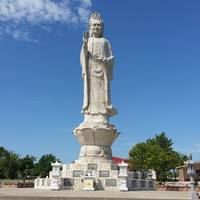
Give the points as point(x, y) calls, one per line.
point(96, 26)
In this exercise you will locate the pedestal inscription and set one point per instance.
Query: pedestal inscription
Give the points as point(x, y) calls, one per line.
point(68, 182)
point(92, 166)
point(104, 173)
point(111, 182)
point(77, 173)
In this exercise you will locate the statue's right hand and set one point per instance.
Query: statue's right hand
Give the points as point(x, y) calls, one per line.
point(85, 44)
point(85, 39)
point(85, 35)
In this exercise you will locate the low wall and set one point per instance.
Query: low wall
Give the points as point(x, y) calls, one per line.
point(174, 188)
point(8, 186)
point(17, 185)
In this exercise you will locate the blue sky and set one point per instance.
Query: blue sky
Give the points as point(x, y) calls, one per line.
point(156, 82)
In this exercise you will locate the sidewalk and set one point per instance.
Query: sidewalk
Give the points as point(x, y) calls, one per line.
point(34, 194)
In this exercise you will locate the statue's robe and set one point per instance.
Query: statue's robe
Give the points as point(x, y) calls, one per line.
point(97, 77)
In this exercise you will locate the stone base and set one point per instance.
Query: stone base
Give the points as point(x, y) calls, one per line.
point(104, 173)
point(96, 139)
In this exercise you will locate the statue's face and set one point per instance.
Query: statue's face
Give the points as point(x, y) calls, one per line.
point(96, 28)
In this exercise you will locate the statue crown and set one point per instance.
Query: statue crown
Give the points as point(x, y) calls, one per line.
point(97, 16)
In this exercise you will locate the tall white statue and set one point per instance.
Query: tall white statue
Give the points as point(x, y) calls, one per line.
point(95, 134)
point(97, 63)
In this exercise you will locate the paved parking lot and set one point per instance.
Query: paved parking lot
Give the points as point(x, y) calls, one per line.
point(34, 194)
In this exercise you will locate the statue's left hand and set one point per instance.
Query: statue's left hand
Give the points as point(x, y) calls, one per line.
point(101, 59)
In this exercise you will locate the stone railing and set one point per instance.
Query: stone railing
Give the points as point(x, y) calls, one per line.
point(42, 183)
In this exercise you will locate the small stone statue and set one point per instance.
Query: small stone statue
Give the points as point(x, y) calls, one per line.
point(97, 68)
point(89, 173)
point(191, 173)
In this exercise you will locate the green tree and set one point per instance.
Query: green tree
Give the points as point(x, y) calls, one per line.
point(138, 157)
point(9, 164)
point(3, 156)
point(13, 165)
point(27, 166)
point(43, 166)
point(156, 153)
point(162, 141)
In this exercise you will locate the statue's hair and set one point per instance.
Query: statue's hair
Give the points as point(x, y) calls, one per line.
point(97, 16)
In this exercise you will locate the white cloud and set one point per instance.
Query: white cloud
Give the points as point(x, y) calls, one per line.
point(16, 33)
point(15, 14)
point(83, 13)
point(83, 10)
point(86, 3)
